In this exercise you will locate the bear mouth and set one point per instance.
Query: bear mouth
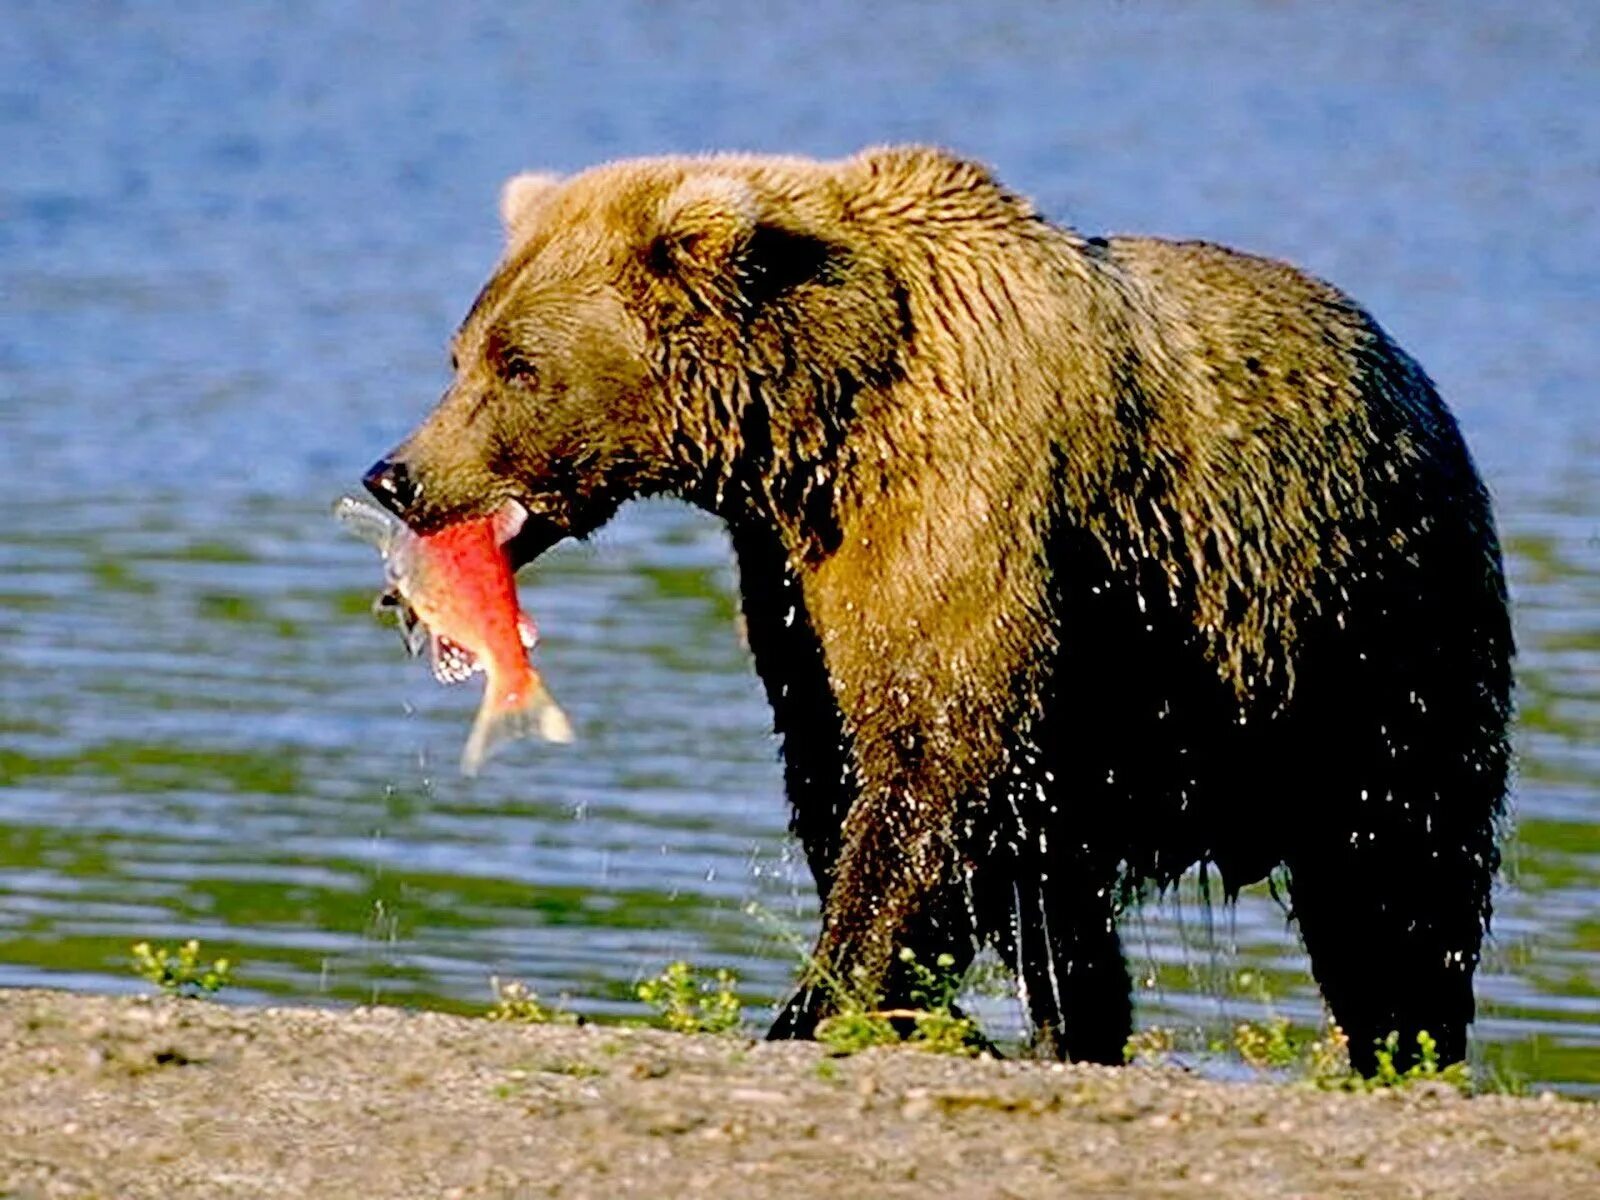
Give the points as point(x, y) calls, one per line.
point(536, 532)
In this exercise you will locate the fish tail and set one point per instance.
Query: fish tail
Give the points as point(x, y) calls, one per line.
point(535, 715)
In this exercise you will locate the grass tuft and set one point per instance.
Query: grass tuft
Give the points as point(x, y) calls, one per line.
point(693, 1000)
point(517, 1003)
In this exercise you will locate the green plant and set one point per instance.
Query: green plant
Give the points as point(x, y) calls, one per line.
point(180, 972)
point(1327, 1062)
point(1267, 1044)
point(1328, 1055)
point(690, 1000)
point(860, 1022)
point(1271, 1044)
point(942, 1031)
point(516, 1002)
point(853, 1029)
point(1426, 1069)
point(1324, 1060)
point(1494, 1079)
point(937, 1026)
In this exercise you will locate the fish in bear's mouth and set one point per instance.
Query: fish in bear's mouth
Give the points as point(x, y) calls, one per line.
point(452, 592)
point(451, 662)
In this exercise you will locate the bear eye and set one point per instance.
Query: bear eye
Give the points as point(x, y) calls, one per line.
point(510, 361)
point(778, 259)
point(517, 367)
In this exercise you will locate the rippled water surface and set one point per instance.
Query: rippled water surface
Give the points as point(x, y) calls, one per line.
point(233, 243)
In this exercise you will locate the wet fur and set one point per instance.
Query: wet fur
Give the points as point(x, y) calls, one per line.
point(1067, 563)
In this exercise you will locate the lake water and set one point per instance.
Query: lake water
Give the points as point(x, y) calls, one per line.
point(233, 244)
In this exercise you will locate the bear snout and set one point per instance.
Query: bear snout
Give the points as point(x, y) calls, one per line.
point(393, 485)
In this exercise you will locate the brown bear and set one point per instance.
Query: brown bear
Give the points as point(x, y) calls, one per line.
point(1067, 562)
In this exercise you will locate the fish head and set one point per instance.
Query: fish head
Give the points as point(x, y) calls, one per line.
point(398, 545)
point(373, 525)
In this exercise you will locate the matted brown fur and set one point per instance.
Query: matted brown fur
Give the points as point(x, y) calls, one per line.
point(1067, 562)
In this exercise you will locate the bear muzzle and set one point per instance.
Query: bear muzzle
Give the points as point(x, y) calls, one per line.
point(392, 484)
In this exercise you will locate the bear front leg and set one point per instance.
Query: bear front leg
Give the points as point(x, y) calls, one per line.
point(1058, 933)
point(898, 885)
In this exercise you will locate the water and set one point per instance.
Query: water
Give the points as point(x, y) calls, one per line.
point(233, 243)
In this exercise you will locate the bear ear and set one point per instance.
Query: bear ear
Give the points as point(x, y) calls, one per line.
point(705, 221)
point(519, 200)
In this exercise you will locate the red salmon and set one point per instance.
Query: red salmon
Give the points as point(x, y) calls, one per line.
point(458, 584)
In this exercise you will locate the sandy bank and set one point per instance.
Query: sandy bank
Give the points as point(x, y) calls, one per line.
point(133, 1098)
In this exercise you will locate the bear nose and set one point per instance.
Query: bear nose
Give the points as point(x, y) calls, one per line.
point(392, 484)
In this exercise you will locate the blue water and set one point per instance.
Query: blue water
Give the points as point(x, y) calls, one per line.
point(233, 242)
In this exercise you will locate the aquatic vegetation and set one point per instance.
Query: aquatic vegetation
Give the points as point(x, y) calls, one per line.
point(180, 972)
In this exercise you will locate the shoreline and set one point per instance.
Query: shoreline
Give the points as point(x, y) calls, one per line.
point(137, 1097)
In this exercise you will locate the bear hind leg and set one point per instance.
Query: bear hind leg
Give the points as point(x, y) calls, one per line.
point(1394, 939)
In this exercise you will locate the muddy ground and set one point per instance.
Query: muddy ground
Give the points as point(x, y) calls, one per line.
point(132, 1098)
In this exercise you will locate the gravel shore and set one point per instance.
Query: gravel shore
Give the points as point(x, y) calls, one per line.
point(117, 1097)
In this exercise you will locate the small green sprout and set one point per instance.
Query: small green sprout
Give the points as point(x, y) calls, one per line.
point(936, 1024)
point(180, 972)
point(1328, 1065)
point(1426, 1069)
point(942, 1031)
point(1328, 1055)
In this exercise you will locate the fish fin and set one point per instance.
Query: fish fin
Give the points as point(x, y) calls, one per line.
point(527, 631)
point(537, 716)
point(368, 522)
point(412, 631)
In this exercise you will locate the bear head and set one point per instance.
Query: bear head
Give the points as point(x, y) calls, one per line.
point(700, 327)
